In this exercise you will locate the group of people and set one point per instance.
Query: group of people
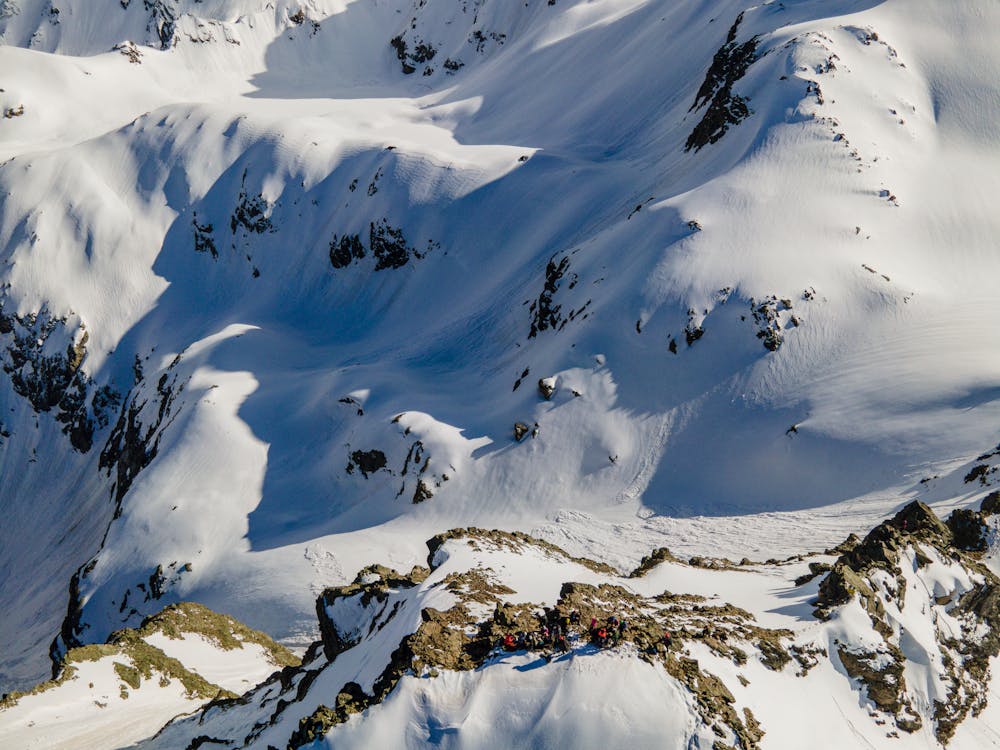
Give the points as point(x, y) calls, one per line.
point(555, 629)
point(608, 634)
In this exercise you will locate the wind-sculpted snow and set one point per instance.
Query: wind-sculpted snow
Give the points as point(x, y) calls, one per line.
point(323, 253)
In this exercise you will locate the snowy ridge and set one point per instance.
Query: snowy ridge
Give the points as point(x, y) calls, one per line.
point(123, 691)
point(397, 650)
point(300, 285)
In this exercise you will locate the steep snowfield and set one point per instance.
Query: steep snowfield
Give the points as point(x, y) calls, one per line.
point(279, 279)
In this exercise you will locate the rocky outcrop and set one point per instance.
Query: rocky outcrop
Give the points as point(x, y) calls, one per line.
point(368, 462)
point(371, 585)
point(725, 108)
point(135, 438)
point(43, 358)
point(386, 243)
point(137, 660)
point(874, 573)
point(546, 313)
point(455, 639)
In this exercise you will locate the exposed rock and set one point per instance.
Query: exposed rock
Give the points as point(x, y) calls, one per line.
point(423, 492)
point(225, 632)
point(546, 315)
point(50, 378)
point(251, 212)
point(546, 387)
point(204, 242)
point(453, 640)
point(968, 530)
point(513, 541)
point(981, 472)
point(725, 108)
point(137, 660)
point(350, 700)
point(367, 461)
point(346, 249)
point(520, 430)
point(371, 584)
point(990, 505)
point(653, 559)
point(871, 571)
point(883, 681)
point(692, 333)
point(815, 569)
point(387, 244)
point(135, 439)
point(162, 21)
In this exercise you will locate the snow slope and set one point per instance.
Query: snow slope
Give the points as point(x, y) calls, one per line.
point(318, 291)
point(117, 694)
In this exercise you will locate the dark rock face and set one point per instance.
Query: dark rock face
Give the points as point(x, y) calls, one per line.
point(204, 242)
point(968, 530)
point(367, 461)
point(724, 107)
point(344, 250)
point(135, 438)
point(546, 314)
point(387, 244)
point(423, 492)
point(990, 505)
point(546, 388)
point(51, 379)
point(250, 213)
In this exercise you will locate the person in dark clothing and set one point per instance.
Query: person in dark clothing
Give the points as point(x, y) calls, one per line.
point(561, 644)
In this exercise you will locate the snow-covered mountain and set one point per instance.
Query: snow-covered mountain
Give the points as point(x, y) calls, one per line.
point(291, 287)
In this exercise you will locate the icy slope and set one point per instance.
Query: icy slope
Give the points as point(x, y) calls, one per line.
point(321, 272)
